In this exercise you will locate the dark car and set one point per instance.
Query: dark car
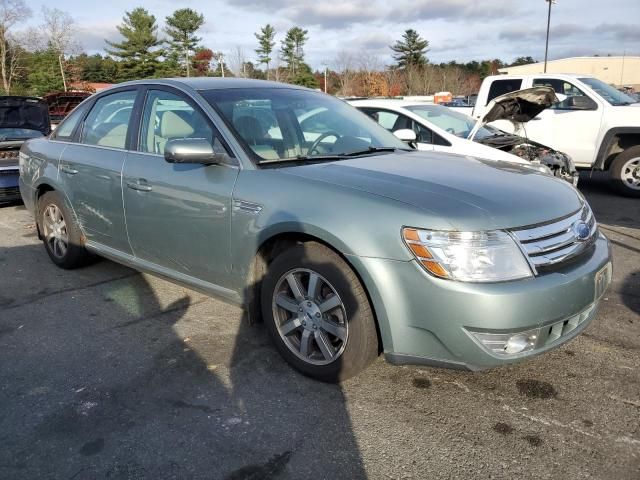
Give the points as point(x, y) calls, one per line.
point(21, 118)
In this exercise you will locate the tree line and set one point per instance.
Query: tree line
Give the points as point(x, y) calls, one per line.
point(48, 58)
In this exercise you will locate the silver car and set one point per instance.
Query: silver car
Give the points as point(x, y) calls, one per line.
point(346, 243)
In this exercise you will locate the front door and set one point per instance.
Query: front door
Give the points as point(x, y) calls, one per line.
point(568, 126)
point(178, 215)
point(91, 170)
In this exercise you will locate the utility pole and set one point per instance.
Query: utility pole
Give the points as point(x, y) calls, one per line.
point(546, 48)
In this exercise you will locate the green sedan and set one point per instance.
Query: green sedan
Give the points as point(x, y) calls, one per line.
point(344, 240)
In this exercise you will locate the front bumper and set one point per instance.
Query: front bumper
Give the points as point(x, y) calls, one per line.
point(425, 320)
point(9, 190)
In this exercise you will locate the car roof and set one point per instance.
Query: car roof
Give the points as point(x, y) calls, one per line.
point(214, 83)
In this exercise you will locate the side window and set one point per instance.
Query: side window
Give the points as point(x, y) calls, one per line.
point(567, 93)
point(500, 87)
point(390, 120)
point(168, 116)
point(423, 134)
point(108, 122)
point(65, 130)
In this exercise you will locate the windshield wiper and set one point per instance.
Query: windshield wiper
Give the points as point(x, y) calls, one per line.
point(302, 158)
point(371, 150)
point(334, 156)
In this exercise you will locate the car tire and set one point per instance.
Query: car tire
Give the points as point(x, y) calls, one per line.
point(625, 172)
point(327, 332)
point(61, 234)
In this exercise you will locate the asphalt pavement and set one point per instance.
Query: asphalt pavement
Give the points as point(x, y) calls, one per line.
point(106, 373)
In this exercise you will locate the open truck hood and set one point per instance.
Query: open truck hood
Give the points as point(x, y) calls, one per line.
point(520, 106)
point(29, 113)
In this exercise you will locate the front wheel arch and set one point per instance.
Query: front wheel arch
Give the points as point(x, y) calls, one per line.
point(269, 250)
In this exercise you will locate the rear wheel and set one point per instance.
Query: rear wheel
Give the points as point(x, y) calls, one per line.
point(318, 313)
point(625, 172)
point(60, 232)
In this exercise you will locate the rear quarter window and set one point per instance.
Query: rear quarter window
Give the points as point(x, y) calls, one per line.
point(65, 130)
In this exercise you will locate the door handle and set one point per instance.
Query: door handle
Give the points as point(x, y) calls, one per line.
point(141, 185)
point(67, 169)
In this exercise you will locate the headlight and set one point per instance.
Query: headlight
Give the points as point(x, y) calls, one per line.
point(539, 167)
point(468, 256)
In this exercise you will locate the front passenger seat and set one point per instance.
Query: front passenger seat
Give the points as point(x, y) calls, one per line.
point(172, 126)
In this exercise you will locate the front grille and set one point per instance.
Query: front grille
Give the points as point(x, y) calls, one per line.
point(553, 243)
point(9, 172)
point(10, 192)
point(551, 333)
point(9, 153)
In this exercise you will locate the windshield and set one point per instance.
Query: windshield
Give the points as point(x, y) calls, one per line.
point(18, 134)
point(280, 124)
point(609, 93)
point(453, 122)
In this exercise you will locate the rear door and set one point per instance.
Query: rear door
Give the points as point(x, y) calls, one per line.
point(178, 215)
point(91, 169)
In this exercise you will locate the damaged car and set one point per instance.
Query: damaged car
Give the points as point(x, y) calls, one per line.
point(21, 118)
point(439, 128)
point(520, 107)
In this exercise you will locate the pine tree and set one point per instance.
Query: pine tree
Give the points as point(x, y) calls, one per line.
point(266, 44)
point(181, 27)
point(139, 50)
point(292, 48)
point(410, 50)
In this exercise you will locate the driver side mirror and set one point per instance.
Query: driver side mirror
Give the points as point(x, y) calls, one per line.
point(581, 102)
point(406, 135)
point(192, 150)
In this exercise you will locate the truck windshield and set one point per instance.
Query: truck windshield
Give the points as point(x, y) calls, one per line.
point(284, 124)
point(609, 93)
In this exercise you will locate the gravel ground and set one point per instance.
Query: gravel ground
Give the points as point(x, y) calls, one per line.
point(107, 373)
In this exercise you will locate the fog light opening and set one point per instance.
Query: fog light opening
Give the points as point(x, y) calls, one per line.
point(519, 343)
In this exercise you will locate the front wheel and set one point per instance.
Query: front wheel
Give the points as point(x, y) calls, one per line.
point(318, 313)
point(625, 172)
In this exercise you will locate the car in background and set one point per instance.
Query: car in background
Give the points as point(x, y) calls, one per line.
point(62, 104)
point(593, 122)
point(21, 118)
point(442, 129)
point(344, 241)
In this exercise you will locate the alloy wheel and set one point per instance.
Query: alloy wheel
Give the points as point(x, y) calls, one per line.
point(55, 231)
point(310, 316)
point(630, 174)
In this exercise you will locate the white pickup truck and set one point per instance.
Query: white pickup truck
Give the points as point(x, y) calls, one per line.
point(594, 123)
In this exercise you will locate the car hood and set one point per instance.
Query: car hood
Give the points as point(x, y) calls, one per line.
point(24, 113)
point(457, 192)
point(520, 106)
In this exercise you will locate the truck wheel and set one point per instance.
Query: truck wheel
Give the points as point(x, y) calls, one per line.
point(318, 314)
point(60, 232)
point(625, 172)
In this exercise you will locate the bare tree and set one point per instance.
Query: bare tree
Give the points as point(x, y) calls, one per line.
point(344, 64)
point(236, 61)
point(58, 29)
point(11, 12)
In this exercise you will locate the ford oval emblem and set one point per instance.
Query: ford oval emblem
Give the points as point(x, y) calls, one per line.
point(581, 231)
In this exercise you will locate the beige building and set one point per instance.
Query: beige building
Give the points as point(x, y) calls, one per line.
point(619, 71)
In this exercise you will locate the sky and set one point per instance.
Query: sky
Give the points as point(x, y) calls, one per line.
point(461, 30)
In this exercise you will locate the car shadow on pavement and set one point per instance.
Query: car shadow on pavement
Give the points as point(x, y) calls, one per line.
point(630, 292)
point(121, 375)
